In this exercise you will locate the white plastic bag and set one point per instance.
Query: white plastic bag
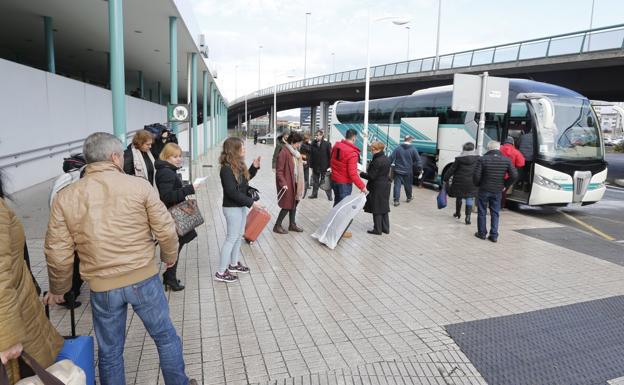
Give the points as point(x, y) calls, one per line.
point(66, 371)
point(335, 223)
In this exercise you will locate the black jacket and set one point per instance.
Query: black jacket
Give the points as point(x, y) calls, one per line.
point(405, 159)
point(378, 186)
point(129, 163)
point(306, 151)
point(525, 146)
point(489, 173)
point(172, 191)
point(462, 171)
point(234, 193)
point(321, 153)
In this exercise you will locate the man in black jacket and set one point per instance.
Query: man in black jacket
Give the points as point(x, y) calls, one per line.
point(489, 176)
point(320, 154)
point(404, 160)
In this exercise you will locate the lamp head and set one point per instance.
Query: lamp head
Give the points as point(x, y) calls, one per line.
point(400, 21)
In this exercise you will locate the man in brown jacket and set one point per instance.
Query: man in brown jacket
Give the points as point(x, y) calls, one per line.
point(111, 220)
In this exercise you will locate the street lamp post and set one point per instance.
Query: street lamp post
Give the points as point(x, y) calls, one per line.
point(408, 42)
point(333, 55)
point(259, 53)
point(275, 110)
point(436, 63)
point(591, 25)
point(235, 82)
point(397, 21)
point(305, 47)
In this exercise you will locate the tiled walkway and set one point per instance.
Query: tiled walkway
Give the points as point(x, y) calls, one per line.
point(371, 311)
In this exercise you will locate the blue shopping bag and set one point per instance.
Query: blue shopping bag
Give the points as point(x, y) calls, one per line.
point(442, 197)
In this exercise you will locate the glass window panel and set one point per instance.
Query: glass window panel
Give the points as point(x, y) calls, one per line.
point(378, 71)
point(361, 74)
point(565, 45)
point(427, 64)
point(325, 79)
point(462, 60)
point(353, 75)
point(598, 41)
point(482, 57)
point(390, 69)
point(401, 68)
point(332, 78)
point(414, 66)
point(504, 54)
point(445, 62)
point(533, 50)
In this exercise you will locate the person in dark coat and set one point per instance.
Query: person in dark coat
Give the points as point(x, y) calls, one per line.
point(161, 141)
point(489, 177)
point(306, 149)
point(378, 186)
point(171, 193)
point(463, 186)
point(404, 159)
point(289, 183)
point(320, 154)
point(255, 136)
point(138, 158)
point(525, 146)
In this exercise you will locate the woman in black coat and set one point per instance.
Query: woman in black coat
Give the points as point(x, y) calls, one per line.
point(171, 193)
point(462, 186)
point(377, 200)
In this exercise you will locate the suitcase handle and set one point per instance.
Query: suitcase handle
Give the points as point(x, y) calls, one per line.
point(72, 314)
point(281, 193)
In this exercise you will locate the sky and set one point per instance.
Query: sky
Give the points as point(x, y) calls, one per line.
point(235, 29)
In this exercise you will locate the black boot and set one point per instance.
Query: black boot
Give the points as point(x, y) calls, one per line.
point(458, 205)
point(468, 212)
point(170, 280)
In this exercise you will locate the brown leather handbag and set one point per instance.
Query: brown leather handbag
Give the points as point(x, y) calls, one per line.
point(186, 216)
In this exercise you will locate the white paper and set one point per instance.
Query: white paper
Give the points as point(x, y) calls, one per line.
point(200, 180)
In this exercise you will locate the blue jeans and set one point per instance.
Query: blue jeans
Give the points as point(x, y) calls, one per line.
point(493, 200)
point(405, 180)
point(235, 218)
point(110, 308)
point(341, 191)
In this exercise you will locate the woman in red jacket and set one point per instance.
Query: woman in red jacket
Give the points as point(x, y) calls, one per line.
point(290, 182)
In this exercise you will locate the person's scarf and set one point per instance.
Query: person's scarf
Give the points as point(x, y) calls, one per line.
point(467, 153)
point(140, 168)
point(299, 178)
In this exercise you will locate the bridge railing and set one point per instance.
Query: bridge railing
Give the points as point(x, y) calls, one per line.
point(594, 40)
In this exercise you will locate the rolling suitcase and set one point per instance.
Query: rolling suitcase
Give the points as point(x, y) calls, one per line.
point(78, 349)
point(257, 219)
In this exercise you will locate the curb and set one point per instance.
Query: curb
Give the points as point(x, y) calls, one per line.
point(619, 182)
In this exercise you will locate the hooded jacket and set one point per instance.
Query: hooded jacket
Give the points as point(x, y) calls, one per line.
point(344, 163)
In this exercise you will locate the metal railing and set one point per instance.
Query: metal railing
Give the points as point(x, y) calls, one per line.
point(594, 40)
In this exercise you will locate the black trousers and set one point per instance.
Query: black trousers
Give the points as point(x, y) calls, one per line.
point(381, 223)
point(316, 182)
point(171, 274)
point(291, 215)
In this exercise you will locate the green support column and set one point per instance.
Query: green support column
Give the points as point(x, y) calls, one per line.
point(205, 109)
point(150, 95)
point(194, 102)
point(141, 86)
point(49, 42)
point(159, 92)
point(117, 79)
point(173, 63)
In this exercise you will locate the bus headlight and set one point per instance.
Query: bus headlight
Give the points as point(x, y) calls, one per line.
point(545, 182)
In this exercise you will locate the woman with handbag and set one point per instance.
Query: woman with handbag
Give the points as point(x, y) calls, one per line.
point(23, 324)
point(290, 183)
point(238, 196)
point(379, 185)
point(171, 193)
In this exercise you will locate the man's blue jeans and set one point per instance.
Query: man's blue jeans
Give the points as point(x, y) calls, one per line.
point(405, 180)
point(341, 191)
point(493, 200)
point(109, 320)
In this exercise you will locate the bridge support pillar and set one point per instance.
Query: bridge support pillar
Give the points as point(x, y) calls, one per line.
point(205, 110)
point(238, 122)
point(49, 43)
point(194, 105)
point(173, 66)
point(313, 119)
point(324, 108)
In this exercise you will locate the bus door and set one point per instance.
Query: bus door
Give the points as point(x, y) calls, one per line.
point(521, 128)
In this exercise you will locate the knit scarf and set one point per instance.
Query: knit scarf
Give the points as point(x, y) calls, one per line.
point(299, 178)
point(140, 168)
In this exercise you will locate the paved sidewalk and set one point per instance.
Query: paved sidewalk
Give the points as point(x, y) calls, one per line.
point(373, 310)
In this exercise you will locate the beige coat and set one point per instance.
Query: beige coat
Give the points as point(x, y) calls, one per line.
point(112, 220)
point(22, 317)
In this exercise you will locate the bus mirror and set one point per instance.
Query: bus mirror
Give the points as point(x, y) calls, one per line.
point(545, 112)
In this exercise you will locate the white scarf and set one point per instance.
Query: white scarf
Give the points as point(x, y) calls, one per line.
point(299, 178)
point(140, 168)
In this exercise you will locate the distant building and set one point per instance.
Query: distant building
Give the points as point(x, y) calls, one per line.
point(306, 117)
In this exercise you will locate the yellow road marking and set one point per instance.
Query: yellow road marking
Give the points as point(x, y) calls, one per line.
point(588, 227)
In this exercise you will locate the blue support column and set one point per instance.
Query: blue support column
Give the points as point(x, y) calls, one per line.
point(49, 43)
point(205, 110)
point(141, 86)
point(159, 92)
point(117, 80)
point(194, 102)
point(173, 63)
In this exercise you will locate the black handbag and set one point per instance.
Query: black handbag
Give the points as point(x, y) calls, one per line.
point(253, 193)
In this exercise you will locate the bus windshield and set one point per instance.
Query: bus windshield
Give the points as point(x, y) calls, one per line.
point(567, 128)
